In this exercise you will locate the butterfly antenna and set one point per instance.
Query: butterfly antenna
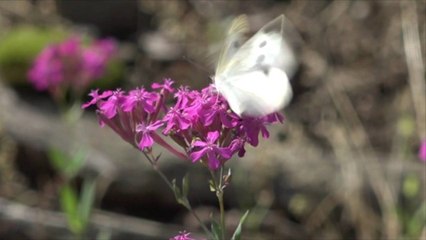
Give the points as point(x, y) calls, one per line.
point(204, 69)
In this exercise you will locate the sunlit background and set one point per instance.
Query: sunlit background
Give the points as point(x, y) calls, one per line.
point(346, 163)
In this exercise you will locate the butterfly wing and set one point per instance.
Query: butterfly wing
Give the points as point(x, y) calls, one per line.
point(253, 80)
point(256, 93)
point(238, 28)
point(264, 49)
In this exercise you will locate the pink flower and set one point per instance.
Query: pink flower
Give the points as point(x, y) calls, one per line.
point(47, 70)
point(422, 151)
point(112, 105)
point(96, 97)
point(140, 98)
point(70, 65)
point(69, 47)
point(211, 150)
point(182, 236)
point(200, 122)
point(147, 132)
point(166, 86)
point(175, 120)
point(95, 57)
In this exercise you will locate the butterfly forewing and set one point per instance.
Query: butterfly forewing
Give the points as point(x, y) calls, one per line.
point(261, 51)
point(236, 32)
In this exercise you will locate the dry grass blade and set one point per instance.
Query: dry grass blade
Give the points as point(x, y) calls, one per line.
point(415, 64)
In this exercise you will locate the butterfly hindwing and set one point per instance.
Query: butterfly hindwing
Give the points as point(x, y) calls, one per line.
point(252, 77)
point(256, 93)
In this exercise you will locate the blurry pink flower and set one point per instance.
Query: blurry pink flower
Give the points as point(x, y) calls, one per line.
point(182, 236)
point(422, 151)
point(69, 64)
point(166, 86)
point(96, 56)
point(47, 71)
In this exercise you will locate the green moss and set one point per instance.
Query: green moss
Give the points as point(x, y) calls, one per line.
point(19, 47)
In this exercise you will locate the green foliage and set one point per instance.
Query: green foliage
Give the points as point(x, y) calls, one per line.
point(185, 185)
point(87, 199)
point(77, 210)
point(69, 205)
point(237, 233)
point(67, 166)
point(412, 216)
point(299, 204)
point(181, 195)
point(20, 46)
point(416, 223)
point(212, 186)
point(411, 186)
point(216, 230)
point(406, 126)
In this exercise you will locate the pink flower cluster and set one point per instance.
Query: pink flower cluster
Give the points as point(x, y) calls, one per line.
point(70, 64)
point(422, 151)
point(200, 122)
point(182, 236)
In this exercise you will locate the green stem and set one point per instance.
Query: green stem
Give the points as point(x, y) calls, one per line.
point(221, 204)
point(222, 214)
point(170, 185)
point(219, 195)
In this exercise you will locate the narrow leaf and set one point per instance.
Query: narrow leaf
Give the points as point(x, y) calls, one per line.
point(68, 200)
point(212, 186)
point(185, 185)
point(216, 230)
point(176, 191)
point(57, 159)
point(237, 233)
point(86, 200)
point(74, 164)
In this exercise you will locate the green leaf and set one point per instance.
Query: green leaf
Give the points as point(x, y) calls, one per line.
point(216, 230)
point(176, 190)
point(74, 165)
point(87, 199)
point(237, 233)
point(68, 166)
point(57, 159)
point(212, 186)
point(180, 197)
point(406, 126)
point(185, 185)
point(19, 47)
point(411, 186)
point(416, 222)
point(68, 201)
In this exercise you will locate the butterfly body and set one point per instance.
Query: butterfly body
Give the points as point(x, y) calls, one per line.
point(252, 77)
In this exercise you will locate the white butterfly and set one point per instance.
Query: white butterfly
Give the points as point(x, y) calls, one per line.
point(252, 77)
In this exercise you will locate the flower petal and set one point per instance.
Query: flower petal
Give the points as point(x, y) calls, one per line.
point(195, 156)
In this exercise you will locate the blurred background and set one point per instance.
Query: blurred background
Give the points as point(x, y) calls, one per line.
point(344, 165)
